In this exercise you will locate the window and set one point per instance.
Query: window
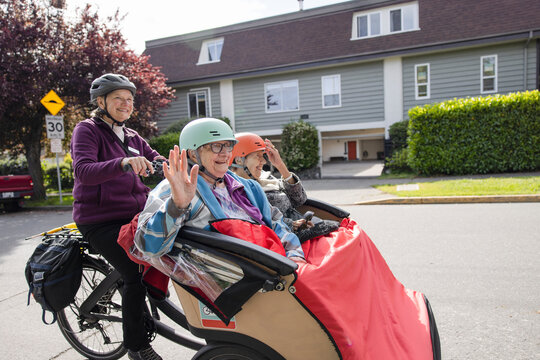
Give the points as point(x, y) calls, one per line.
point(402, 19)
point(331, 91)
point(385, 21)
point(210, 51)
point(369, 25)
point(422, 81)
point(198, 103)
point(488, 74)
point(395, 20)
point(281, 96)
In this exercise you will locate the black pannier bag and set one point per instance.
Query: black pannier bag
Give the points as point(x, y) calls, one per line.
point(53, 273)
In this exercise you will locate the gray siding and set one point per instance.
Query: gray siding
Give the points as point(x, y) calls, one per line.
point(178, 108)
point(362, 98)
point(457, 74)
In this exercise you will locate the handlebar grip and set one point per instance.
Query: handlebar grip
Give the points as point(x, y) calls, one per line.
point(156, 164)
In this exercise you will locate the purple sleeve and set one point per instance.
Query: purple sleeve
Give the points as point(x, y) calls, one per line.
point(148, 152)
point(84, 151)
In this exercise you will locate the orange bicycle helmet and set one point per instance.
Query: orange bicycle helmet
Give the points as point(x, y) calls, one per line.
point(247, 143)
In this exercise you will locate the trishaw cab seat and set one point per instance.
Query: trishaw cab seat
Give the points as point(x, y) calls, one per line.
point(280, 264)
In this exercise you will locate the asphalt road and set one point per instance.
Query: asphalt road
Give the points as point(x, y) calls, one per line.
point(477, 263)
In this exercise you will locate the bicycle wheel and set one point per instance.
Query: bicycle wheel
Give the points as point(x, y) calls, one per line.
point(227, 352)
point(96, 339)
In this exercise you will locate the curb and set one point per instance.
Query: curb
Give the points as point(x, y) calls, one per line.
point(453, 200)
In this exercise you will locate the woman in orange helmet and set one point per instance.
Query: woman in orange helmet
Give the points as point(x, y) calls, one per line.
point(286, 193)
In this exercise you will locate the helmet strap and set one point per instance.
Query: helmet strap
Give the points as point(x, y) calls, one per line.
point(206, 172)
point(106, 113)
point(246, 170)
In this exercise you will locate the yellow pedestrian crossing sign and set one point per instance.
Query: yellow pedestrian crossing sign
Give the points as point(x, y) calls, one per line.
point(52, 102)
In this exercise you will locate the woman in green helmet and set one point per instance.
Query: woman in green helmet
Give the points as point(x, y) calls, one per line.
point(206, 192)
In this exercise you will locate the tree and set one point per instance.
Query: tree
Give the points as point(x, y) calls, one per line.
point(43, 50)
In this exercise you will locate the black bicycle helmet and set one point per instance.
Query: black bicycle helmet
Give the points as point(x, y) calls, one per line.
point(110, 82)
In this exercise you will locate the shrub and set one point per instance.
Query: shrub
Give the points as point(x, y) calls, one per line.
point(398, 134)
point(398, 162)
point(13, 165)
point(50, 175)
point(491, 134)
point(163, 143)
point(300, 145)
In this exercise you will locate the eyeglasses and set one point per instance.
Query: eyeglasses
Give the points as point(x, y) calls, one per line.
point(218, 147)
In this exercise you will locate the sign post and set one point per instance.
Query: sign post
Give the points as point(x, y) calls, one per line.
point(56, 147)
point(55, 129)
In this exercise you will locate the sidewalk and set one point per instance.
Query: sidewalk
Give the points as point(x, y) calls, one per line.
point(351, 183)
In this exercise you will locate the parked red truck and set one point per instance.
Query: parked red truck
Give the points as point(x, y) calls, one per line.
point(13, 189)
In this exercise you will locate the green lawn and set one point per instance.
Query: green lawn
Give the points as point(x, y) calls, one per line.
point(465, 187)
point(52, 200)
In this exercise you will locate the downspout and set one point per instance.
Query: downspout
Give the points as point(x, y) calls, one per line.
point(525, 62)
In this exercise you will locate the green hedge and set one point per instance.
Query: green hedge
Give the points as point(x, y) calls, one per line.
point(13, 166)
point(163, 143)
point(491, 134)
point(399, 161)
point(300, 145)
point(50, 175)
point(398, 134)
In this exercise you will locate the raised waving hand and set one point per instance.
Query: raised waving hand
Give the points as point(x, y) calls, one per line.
point(183, 185)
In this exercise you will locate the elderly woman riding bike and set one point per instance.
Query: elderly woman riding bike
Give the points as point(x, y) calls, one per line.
point(207, 192)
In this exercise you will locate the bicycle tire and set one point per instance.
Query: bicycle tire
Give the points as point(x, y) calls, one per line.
point(227, 352)
point(94, 339)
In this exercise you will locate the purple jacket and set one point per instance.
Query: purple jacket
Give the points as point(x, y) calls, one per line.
point(102, 190)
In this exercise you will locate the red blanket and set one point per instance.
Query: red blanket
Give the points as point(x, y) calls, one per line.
point(347, 284)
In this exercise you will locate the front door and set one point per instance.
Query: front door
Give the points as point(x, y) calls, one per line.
point(351, 150)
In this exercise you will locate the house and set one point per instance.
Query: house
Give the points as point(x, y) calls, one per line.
point(351, 69)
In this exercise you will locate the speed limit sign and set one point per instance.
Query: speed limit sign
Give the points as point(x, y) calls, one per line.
point(55, 126)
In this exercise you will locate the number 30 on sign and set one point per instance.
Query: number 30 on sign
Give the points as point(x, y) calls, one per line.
point(55, 126)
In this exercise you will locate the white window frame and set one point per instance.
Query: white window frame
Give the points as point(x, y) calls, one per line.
point(427, 83)
point(204, 57)
point(208, 102)
point(369, 24)
point(282, 85)
point(384, 20)
point(494, 77)
point(323, 92)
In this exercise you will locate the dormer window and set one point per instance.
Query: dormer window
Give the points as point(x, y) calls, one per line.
point(210, 51)
point(385, 21)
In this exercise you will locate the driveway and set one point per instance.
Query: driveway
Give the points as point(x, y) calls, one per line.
point(352, 169)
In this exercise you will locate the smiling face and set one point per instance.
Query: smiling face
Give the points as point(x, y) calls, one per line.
point(119, 104)
point(255, 162)
point(215, 164)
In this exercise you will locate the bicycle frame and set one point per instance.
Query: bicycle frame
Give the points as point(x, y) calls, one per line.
point(167, 307)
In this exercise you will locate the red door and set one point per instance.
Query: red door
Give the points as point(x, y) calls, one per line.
point(351, 150)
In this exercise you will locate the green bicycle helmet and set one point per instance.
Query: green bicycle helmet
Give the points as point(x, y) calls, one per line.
point(201, 132)
point(204, 131)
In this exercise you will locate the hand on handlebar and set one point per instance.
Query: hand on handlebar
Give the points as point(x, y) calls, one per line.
point(183, 185)
point(139, 164)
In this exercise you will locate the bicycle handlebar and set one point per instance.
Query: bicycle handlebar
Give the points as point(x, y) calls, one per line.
point(156, 164)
